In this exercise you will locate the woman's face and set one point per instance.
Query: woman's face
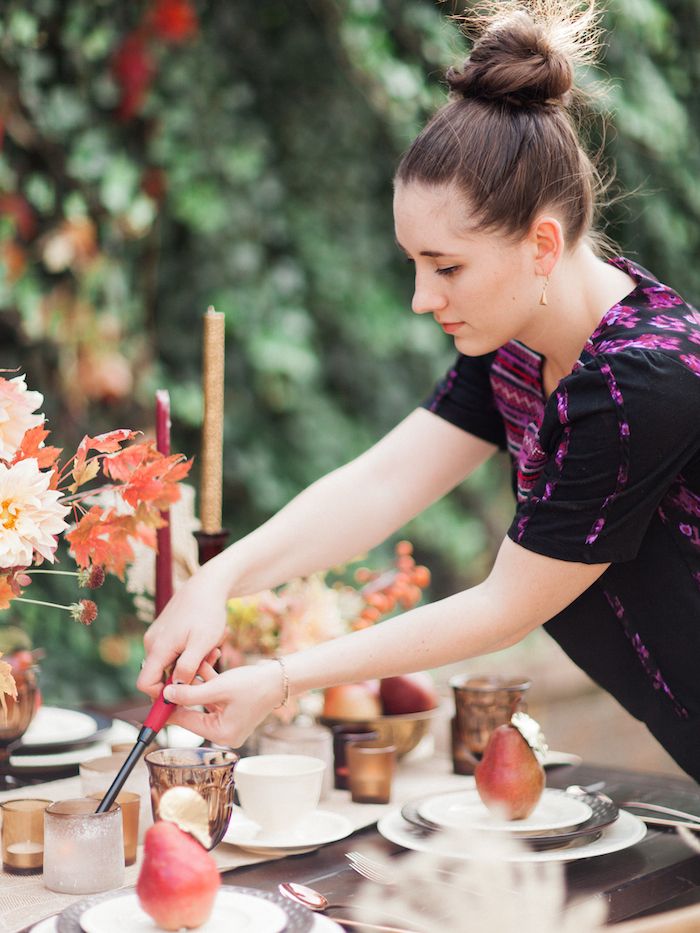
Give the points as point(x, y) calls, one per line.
point(480, 287)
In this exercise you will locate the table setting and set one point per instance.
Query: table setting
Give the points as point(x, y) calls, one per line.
point(342, 813)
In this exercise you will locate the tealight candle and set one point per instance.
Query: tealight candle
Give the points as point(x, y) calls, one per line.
point(23, 835)
point(84, 850)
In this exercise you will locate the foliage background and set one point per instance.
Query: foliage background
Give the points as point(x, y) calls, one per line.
point(153, 166)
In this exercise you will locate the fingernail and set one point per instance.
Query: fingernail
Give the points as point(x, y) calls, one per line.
point(169, 693)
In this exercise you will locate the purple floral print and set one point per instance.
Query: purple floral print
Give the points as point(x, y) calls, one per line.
point(644, 654)
point(659, 296)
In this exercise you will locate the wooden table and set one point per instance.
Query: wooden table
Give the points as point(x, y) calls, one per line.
point(659, 874)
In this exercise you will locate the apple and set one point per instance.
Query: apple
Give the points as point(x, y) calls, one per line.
point(408, 693)
point(352, 701)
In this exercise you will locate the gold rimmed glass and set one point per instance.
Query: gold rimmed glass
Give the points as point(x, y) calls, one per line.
point(210, 771)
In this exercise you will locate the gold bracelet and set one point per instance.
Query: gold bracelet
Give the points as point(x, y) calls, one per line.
point(285, 683)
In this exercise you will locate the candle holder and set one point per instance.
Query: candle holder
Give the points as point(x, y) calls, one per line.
point(130, 804)
point(211, 543)
point(23, 835)
point(83, 850)
point(370, 771)
point(342, 737)
point(98, 774)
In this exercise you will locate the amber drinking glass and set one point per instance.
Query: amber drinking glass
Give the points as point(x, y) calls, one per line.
point(482, 703)
point(208, 770)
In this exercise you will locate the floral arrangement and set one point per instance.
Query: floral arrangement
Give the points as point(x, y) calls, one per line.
point(313, 609)
point(38, 493)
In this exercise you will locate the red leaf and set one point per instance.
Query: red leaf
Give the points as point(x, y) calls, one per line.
point(104, 443)
point(121, 465)
point(30, 446)
point(102, 537)
point(156, 482)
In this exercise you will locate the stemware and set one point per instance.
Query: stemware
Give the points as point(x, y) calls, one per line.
point(14, 724)
point(208, 770)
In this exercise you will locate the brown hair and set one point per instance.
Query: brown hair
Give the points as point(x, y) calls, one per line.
point(507, 138)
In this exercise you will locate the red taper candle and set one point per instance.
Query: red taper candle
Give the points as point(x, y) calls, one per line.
point(164, 555)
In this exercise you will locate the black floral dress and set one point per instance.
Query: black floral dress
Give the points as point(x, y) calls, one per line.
point(607, 469)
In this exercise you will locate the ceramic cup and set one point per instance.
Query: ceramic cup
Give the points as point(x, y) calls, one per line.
point(278, 791)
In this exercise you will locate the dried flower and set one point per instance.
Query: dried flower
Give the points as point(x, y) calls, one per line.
point(91, 577)
point(85, 611)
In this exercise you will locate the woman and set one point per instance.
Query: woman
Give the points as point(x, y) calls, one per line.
point(585, 370)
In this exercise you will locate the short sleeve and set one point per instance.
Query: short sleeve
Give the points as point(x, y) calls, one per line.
point(614, 436)
point(465, 398)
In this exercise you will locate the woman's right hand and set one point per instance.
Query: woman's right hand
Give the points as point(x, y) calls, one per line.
point(231, 704)
point(187, 631)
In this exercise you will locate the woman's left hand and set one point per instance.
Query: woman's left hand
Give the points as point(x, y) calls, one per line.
point(234, 702)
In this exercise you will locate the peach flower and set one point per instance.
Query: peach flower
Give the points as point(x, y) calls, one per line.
point(31, 514)
point(17, 405)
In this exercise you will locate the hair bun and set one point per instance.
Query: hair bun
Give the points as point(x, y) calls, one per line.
point(518, 61)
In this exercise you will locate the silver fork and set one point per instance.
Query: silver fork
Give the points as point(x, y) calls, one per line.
point(370, 869)
point(376, 871)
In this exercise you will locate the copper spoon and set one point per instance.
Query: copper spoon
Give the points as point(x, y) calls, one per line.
point(316, 901)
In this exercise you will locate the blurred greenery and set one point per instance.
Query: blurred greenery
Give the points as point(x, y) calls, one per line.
point(146, 174)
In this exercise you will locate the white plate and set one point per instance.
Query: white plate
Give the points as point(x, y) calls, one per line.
point(232, 911)
point(626, 831)
point(464, 809)
point(59, 759)
point(45, 926)
point(552, 758)
point(317, 829)
point(53, 724)
point(321, 925)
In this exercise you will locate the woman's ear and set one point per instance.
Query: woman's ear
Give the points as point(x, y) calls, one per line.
point(547, 240)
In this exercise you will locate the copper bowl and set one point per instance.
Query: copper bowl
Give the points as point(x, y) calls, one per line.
point(403, 731)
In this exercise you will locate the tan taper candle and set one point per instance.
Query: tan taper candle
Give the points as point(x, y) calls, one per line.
point(213, 424)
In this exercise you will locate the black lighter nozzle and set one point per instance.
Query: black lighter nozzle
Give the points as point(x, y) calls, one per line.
point(145, 737)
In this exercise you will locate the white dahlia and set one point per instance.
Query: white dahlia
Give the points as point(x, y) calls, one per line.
point(30, 514)
point(16, 406)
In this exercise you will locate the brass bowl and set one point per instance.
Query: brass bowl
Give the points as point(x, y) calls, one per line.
point(403, 731)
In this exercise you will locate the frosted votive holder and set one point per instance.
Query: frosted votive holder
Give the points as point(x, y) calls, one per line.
point(23, 835)
point(83, 850)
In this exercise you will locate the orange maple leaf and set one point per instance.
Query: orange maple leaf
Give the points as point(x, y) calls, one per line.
point(7, 686)
point(31, 446)
point(104, 443)
point(156, 482)
point(102, 537)
point(121, 465)
point(7, 591)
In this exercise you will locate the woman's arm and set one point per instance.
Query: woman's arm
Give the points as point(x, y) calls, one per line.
point(340, 516)
point(522, 591)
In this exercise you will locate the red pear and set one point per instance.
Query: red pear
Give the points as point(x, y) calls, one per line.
point(408, 693)
point(509, 777)
point(178, 880)
point(352, 701)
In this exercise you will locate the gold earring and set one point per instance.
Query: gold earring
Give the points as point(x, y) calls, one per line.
point(543, 296)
